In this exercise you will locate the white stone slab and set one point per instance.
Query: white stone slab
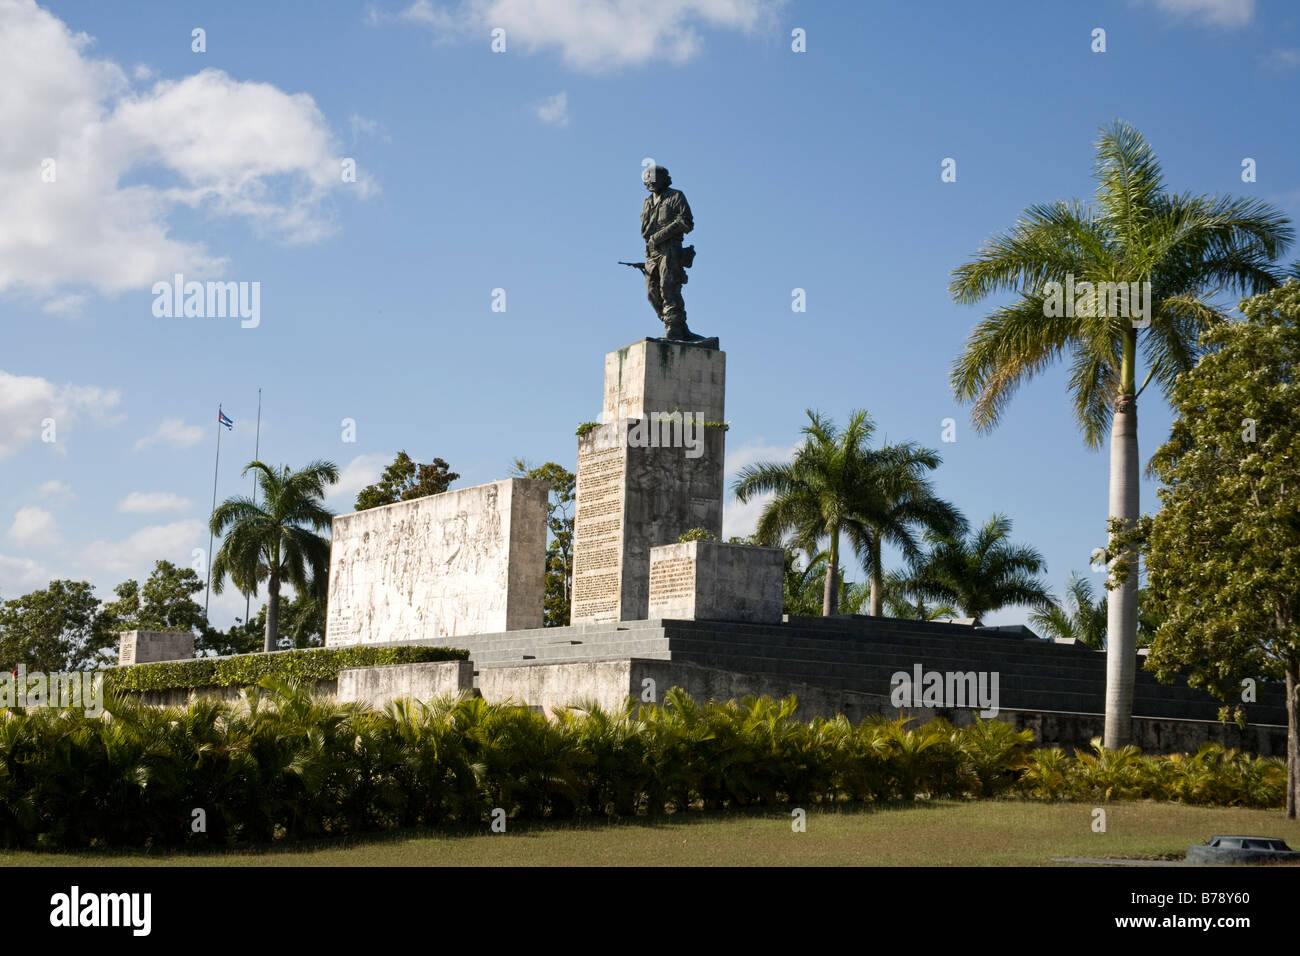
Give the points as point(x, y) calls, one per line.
point(468, 561)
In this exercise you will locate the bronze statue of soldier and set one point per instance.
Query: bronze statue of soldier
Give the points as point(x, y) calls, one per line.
point(665, 219)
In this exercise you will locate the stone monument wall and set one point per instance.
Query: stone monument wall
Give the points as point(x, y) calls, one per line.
point(468, 561)
point(651, 472)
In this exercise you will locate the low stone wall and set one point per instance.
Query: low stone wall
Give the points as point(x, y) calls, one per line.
point(372, 686)
point(180, 696)
point(609, 683)
point(377, 686)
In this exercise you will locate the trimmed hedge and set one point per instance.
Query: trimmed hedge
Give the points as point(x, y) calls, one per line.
point(305, 666)
point(300, 766)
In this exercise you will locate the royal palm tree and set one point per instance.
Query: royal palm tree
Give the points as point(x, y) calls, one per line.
point(903, 601)
point(839, 486)
point(275, 539)
point(1081, 615)
point(982, 574)
point(805, 587)
point(1189, 248)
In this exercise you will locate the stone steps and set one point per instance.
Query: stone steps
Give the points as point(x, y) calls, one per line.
point(861, 654)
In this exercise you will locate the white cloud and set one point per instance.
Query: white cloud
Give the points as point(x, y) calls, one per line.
point(171, 432)
point(172, 542)
point(54, 489)
point(150, 502)
point(590, 35)
point(33, 526)
point(1217, 13)
point(20, 575)
point(355, 475)
point(365, 128)
point(740, 519)
point(554, 110)
point(754, 452)
point(225, 147)
point(26, 402)
point(69, 306)
point(1283, 58)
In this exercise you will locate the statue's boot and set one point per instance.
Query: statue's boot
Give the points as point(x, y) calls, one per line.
point(678, 332)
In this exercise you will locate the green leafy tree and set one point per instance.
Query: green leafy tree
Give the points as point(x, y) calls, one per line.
point(982, 572)
point(559, 525)
point(1223, 552)
point(1187, 247)
point(302, 621)
point(163, 604)
point(276, 539)
point(59, 628)
point(242, 637)
point(404, 480)
point(837, 485)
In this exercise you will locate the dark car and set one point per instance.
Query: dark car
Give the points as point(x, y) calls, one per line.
point(1241, 849)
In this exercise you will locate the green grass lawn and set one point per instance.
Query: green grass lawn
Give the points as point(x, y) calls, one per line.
point(986, 833)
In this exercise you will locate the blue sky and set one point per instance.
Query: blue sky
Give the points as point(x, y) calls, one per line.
point(520, 170)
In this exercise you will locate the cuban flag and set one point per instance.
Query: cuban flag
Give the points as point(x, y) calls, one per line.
point(224, 419)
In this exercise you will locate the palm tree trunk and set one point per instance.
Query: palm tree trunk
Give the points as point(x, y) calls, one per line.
point(877, 579)
point(1292, 667)
point(272, 612)
point(1121, 605)
point(831, 596)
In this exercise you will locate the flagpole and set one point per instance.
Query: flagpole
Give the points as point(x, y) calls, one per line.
point(257, 447)
point(208, 588)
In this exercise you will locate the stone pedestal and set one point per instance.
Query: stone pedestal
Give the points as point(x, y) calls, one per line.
point(713, 581)
point(144, 647)
point(651, 472)
point(468, 561)
point(657, 376)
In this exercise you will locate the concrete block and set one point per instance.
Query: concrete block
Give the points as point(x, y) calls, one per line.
point(143, 647)
point(377, 686)
point(653, 376)
point(715, 581)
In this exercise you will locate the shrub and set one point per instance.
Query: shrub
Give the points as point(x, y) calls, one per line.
point(306, 666)
point(287, 765)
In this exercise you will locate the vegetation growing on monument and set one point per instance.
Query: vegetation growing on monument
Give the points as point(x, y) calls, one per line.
point(292, 767)
point(1223, 552)
point(246, 670)
point(1188, 248)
